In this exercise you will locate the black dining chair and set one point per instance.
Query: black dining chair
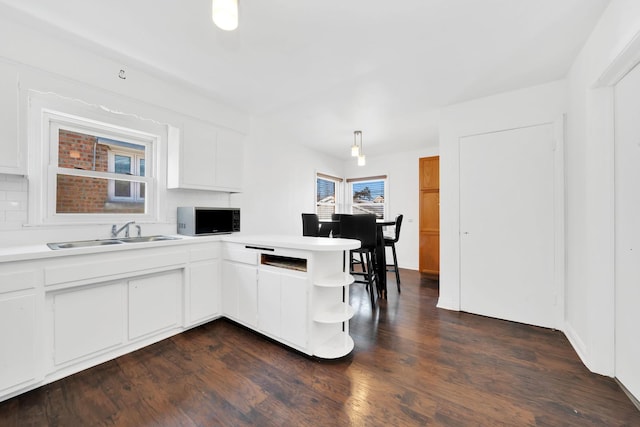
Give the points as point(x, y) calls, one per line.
point(391, 241)
point(363, 228)
point(331, 229)
point(310, 225)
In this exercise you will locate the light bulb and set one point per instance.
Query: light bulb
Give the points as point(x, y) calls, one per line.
point(355, 150)
point(361, 160)
point(225, 14)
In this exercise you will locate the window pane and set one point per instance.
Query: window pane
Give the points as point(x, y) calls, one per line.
point(122, 164)
point(368, 198)
point(122, 189)
point(325, 198)
point(75, 194)
point(141, 168)
point(81, 151)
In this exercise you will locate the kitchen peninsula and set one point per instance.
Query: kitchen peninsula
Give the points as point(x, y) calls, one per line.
point(81, 306)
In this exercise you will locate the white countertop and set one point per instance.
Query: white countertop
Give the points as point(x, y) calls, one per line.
point(320, 244)
point(316, 244)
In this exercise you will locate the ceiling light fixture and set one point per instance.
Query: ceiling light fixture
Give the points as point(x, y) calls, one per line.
point(225, 14)
point(356, 150)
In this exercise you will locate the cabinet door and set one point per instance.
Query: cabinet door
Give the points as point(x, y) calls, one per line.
point(11, 160)
point(239, 292)
point(204, 290)
point(282, 306)
point(229, 162)
point(248, 295)
point(294, 314)
point(87, 321)
point(197, 161)
point(18, 362)
point(269, 302)
point(154, 303)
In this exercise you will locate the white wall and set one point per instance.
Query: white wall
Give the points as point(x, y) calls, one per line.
point(589, 167)
point(402, 170)
point(279, 181)
point(49, 62)
point(525, 107)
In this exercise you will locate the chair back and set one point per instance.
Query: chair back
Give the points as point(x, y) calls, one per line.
point(398, 224)
point(360, 227)
point(329, 228)
point(310, 225)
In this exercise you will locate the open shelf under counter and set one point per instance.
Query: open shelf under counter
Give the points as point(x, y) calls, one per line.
point(284, 262)
point(337, 346)
point(337, 313)
point(334, 280)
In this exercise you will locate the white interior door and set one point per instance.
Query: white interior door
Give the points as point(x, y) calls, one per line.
point(507, 225)
point(627, 231)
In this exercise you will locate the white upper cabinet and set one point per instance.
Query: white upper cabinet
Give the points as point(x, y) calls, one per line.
point(205, 157)
point(12, 159)
point(229, 162)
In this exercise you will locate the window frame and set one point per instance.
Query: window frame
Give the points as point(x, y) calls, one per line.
point(360, 180)
point(51, 122)
point(133, 171)
point(338, 193)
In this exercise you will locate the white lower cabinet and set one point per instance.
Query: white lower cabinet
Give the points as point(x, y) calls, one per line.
point(239, 284)
point(297, 297)
point(18, 354)
point(63, 314)
point(154, 304)
point(240, 292)
point(282, 305)
point(20, 330)
point(87, 321)
point(204, 290)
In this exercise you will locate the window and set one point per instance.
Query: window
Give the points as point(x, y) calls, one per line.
point(328, 192)
point(369, 195)
point(94, 171)
point(127, 159)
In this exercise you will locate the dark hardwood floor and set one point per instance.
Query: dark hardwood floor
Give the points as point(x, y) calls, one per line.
point(413, 364)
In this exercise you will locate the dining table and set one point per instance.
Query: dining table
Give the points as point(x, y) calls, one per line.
point(381, 253)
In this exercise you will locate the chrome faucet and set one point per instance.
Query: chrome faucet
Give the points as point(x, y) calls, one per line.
point(115, 231)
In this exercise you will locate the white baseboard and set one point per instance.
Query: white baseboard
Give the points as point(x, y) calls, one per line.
point(577, 344)
point(448, 304)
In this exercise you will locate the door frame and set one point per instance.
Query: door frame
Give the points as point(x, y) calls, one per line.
point(603, 96)
point(558, 126)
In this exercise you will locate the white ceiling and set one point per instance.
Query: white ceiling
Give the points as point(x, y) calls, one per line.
point(318, 70)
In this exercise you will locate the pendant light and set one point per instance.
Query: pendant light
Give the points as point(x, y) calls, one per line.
point(355, 149)
point(361, 157)
point(225, 14)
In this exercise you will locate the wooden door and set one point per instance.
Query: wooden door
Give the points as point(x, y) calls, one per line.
point(430, 215)
point(507, 225)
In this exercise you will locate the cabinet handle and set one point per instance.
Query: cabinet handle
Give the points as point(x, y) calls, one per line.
point(259, 248)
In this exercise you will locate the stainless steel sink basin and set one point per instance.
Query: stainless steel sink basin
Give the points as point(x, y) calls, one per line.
point(83, 243)
point(147, 239)
point(105, 242)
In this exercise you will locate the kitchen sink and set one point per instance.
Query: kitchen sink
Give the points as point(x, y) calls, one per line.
point(106, 242)
point(83, 243)
point(147, 239)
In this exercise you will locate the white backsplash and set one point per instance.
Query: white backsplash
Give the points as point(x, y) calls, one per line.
point(13, 202)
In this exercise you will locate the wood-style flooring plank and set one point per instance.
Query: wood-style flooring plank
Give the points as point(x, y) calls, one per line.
point(413, 364)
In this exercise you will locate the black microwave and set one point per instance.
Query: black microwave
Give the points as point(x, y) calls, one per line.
point(196, 221)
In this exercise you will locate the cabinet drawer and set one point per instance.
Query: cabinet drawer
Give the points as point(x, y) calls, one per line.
point(17, 280)
point(238, 253)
